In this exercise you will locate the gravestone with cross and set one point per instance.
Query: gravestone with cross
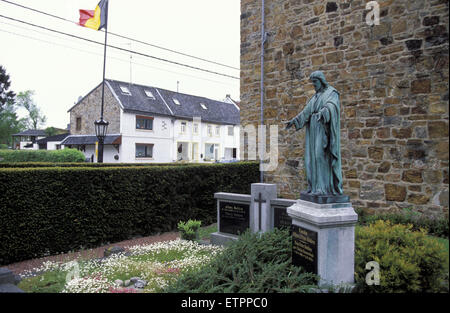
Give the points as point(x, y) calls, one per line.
point(238, 212)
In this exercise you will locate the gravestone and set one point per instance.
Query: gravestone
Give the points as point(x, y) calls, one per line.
point(281, 218)
point(323, 239)
point(304, 248)
point(234, 217)
point(238, 212)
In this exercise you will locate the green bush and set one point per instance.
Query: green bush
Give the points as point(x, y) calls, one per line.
point(65, 155)
point(410, 261)
point(253, 264)
point(189, 230)
point(435, 226)
point(52, 210)
point(3, 146)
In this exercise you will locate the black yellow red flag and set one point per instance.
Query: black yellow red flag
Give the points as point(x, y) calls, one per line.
point(95, 19)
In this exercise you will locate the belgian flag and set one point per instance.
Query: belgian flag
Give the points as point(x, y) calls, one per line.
point(95, 19)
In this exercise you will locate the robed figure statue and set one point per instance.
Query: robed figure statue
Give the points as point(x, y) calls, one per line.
point(321, 118)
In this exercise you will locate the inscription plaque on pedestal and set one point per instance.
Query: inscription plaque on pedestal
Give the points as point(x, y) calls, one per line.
point(234, 217)
point(280, 218)
point(304, 248)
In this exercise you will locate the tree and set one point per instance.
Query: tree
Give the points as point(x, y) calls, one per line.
point(10, 123)
point(35, 117)
point(5, 95)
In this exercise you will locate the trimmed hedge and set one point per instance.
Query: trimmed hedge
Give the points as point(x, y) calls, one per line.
point(86, 164)
point(51, 210)
point(64, 155)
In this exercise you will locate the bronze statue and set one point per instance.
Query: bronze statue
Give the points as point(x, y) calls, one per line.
point(321, 116)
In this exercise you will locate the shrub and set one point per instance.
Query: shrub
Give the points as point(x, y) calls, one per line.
point(3, 146)
point(65, 155)
point(409, 261)
point(189, 230)
point(58, 209)
point(435, 226)
point(253, 264)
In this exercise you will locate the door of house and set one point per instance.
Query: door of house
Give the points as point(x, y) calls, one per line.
point(194, 151)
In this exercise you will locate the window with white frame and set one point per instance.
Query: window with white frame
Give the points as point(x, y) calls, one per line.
point(217, 130)
point(144, 122)
point(195, 128)
point(230, 131)
point(149, 94)
point(125, 90)
point(144, 150)
point(209, 130)
point(183, 127)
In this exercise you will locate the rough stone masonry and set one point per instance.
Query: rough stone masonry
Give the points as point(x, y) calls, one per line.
point(393, 79)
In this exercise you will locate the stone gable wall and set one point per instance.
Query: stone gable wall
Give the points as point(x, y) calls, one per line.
point(393, 80)
point(89, 111)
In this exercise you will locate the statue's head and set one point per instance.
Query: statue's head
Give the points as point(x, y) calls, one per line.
point(318, 80)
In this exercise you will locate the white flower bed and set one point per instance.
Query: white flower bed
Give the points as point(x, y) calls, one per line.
point(96, 276)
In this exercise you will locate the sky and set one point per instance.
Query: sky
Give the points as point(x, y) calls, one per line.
point(60, 68)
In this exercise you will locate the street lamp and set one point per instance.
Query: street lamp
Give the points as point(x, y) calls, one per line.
point(101, 126)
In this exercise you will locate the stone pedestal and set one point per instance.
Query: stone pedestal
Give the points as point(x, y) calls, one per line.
point(324, 240)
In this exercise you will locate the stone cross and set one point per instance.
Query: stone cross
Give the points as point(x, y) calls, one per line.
point(260, 201)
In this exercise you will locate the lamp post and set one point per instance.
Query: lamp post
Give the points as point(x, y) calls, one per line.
point(101, 126)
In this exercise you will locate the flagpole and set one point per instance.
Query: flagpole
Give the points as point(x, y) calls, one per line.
point(104, 123)
point(104, 59)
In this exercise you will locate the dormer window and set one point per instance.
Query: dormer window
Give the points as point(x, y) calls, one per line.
point(125, 90)
point(176, 101)
point(149, 94)
point(203, 106)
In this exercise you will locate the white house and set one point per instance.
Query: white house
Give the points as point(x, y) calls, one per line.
point(51, 142)
point(149, 124)
point(26, 139)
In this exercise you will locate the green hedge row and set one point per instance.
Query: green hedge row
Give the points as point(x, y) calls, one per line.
point(51, 210)
point(85, 164)
point(64, 155)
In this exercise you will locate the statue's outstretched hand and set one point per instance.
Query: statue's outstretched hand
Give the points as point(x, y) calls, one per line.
point(289, 124)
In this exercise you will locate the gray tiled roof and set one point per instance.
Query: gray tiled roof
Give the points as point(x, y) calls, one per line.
point(163, 104)
point(89, 140)
point(52, 138)
point(31, 132)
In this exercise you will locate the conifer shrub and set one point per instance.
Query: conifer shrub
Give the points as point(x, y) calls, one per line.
point(409, 261)
point(253, 264)
point(189, 229)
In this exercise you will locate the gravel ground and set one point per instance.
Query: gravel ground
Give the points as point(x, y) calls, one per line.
point(28, 265)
